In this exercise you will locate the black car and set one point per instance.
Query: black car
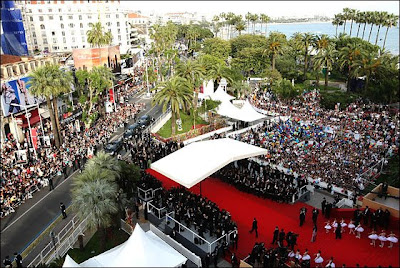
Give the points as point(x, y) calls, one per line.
point(144, 120)
point(113, 147)
point(130, 131)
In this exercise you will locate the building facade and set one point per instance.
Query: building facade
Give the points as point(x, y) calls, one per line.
point(61, 26)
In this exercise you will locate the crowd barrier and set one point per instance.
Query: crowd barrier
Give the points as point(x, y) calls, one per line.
point(61, 243)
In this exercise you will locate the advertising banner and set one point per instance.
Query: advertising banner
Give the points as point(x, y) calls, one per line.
point(111, 95)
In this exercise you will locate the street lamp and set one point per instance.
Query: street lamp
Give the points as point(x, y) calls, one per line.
point(147, 80)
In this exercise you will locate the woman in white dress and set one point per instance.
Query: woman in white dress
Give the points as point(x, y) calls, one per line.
point(351, 227)
point(334, 225)
point(330, 263)
point(306, 257)
point(373, 236)
point(359, 229)
point(291, 254)
point(343, 224)
point(297, 257)
point(382, 238)
point(318, 259)
point(328, 226)
point(392, 239)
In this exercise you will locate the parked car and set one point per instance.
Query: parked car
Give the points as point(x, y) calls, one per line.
point(113, 147)
point(130, 131)
point(144, 120)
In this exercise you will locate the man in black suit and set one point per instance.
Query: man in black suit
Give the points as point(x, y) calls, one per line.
point(276, 234)
point(302, 216)
point(62, 208)
point(254, 227)
point(281, 237)
point(366, 215)
point(315, 213)
point(323, 206)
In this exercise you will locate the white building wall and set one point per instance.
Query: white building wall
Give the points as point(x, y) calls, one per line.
point(62, 27)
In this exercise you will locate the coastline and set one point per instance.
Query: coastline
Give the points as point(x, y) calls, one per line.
point(302, 22)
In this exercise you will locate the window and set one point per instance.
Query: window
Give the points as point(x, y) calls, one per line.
point(82, 32)
point(40, 18)
point(54, 40)
point(72, 32)
point(64, 40)
point(31, 18)
point(80, 17)
point(89, 16)
point(108, 16)
point(63, 33)
point(33, 34)
point(59, 10)
point(61, 18)
point(40, 10)
point(81, 25)
point(53, 33)
point(45, 41)
point(42, 26)
point(35, 41)
point(118, 23)
point(108, 24)
point(83, 39)
point(73, 39)
point(62, 26)
point(71, 25)
point(50, 17)
point(30, 10)
point(50, 10)
point(119, 31)
point(65, 48)
point(117, 16)
point(119, 38)
point(70, 17)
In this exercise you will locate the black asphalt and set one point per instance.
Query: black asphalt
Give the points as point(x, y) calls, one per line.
point(22, 227)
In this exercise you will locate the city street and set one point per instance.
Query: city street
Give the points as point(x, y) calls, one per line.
point(22, 227)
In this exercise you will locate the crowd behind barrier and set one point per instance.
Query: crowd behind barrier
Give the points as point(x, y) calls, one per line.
point(333, 146)
point(20, 179)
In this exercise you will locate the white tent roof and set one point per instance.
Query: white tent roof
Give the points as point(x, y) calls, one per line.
point(246, 113)
point(249, 111)
point(140, 250)
point(196, 161)
point(221, 95)
point(69, 262)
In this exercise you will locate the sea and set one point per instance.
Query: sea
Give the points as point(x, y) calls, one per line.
point(392, 41)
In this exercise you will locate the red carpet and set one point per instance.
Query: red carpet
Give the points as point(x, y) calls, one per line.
point(244, 207)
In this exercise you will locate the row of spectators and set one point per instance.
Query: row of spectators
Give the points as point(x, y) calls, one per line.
point(20, 179)
point(335, 146)
point(263, 181)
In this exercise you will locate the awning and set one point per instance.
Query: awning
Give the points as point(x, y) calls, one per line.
point(246, 114)
point(196, 161)
point(34, 118)
point(221, 95)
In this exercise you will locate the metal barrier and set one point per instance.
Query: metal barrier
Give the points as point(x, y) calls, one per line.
point(126, 227)
point(148, 194)
point(151, 208)
point(210, 244)
point(61, 243)
point(156, 121)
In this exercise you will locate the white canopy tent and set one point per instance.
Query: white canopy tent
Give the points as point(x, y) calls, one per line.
point(195, 162)
point(208, 89)
point(140, 250)
point(246, 113)
point(221, 95)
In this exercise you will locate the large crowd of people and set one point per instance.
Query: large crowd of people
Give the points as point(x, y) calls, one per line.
point(335, 146)
point(263, 181)
point(19, 179)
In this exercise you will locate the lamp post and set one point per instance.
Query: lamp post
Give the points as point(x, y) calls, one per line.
point(147, 80)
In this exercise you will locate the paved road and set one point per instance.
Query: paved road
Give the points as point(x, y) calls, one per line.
point(23, 226)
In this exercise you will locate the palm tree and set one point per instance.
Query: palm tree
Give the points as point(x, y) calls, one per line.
point(381, 19)
point(215, 23)
point(176, 93)
point(352, 16)
point(359, 18)
point(326, 58)
point(95, 197)
point(240, 26)
point(193, 72)
point(337, 21)
point(371, 20)
point(368, 65)
point(274, 47)
point(365, 20)
point(217, 72)
point(104, 161)
point(347, 56)
point(345, 17)
point(49, 81)
point(391, 21)
point(248, 17)
point(96, 36)
point(254, 19)
point(307, 39)
point(264, 19)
